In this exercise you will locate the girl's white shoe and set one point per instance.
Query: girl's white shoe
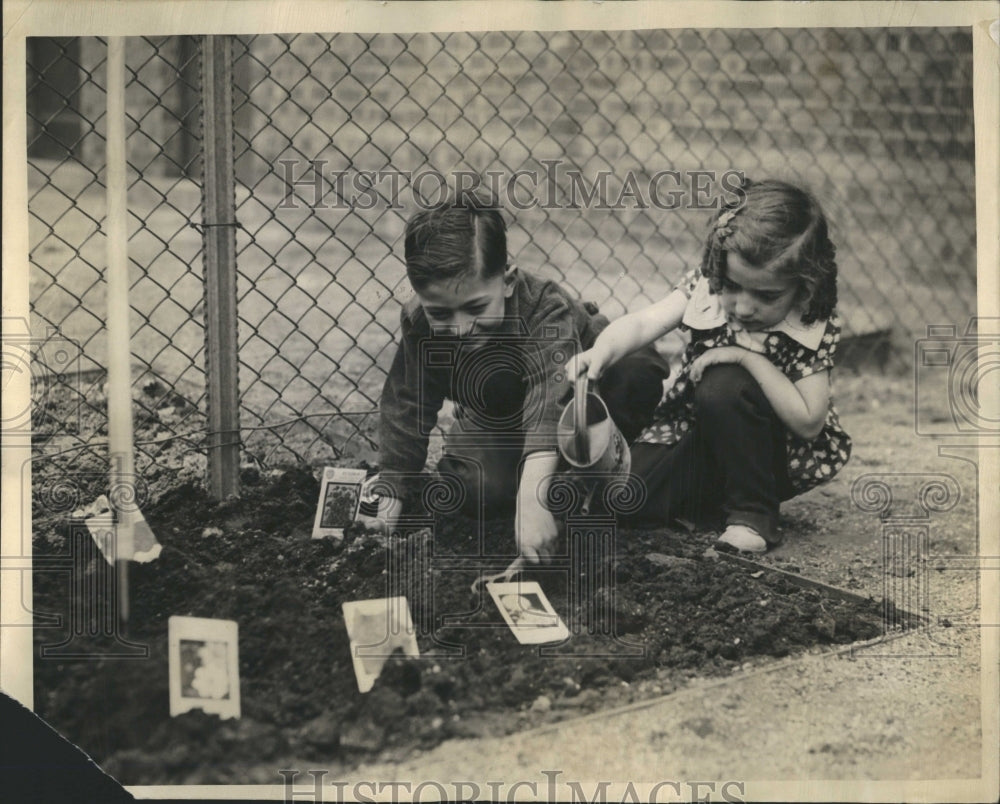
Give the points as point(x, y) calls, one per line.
point(744, 538)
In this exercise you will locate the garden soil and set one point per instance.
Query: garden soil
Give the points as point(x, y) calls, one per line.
point(662, 610)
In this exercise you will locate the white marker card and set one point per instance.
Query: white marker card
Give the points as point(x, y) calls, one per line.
point(377, 628)
point(204, 666)
point(102, 531)
point(528, 612)
point(339, 499)
point(100, 522)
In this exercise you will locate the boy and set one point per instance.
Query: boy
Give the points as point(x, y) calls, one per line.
point(494, 340)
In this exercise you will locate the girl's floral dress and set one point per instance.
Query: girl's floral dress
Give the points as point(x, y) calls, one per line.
point(796, 349)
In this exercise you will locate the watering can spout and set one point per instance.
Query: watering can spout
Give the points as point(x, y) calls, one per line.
point(581, 436)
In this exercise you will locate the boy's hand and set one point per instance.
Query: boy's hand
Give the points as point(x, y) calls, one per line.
point(536, 533)
point(589, 361)
point(721, 354)
point(388, 513)
point(535, 527)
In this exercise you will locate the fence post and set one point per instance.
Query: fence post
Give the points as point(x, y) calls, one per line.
point(219, 240)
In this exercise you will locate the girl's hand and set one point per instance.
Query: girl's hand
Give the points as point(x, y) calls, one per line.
point(589, 362)
point(721, 354)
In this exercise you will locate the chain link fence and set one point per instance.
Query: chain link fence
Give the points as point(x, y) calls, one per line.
point(608, 147)
point(66, 102)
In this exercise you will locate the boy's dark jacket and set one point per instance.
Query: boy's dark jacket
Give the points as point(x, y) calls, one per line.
point(500, 381)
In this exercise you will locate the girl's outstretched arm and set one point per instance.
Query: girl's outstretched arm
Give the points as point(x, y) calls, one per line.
point(630, 332)
point(801, 405)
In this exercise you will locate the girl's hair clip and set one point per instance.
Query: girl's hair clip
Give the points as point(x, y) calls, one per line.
point(724, 219)
point(722, 227)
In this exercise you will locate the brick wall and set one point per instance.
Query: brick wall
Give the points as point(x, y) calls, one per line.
point(898, 94)
point(893, 93)
point(877, 122)
point(161, 103)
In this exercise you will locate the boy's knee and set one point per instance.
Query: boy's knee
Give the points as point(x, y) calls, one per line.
point(464, 473)
point(488, 485)
point(724, 387)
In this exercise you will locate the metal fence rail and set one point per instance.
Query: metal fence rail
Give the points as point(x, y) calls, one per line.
point(334, 136)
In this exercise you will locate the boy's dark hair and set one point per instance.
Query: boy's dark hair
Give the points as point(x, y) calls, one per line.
point(774, 223)
point(464, 234)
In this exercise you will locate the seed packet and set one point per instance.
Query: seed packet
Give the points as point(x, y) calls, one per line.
point(204, 666)
point(339, 498)
point(528, 612)
point(377, 628)
point(100, 522)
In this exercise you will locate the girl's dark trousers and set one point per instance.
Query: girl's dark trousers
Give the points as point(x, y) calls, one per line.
point(729, 469)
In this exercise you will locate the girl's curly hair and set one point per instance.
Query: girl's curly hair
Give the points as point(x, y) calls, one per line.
point(775, 224)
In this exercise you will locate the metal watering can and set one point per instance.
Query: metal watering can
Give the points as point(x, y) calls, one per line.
point(589, 440)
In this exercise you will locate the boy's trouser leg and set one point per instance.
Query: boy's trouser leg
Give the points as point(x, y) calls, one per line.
point(632, 388)
point(745, 441)
point(488, 471)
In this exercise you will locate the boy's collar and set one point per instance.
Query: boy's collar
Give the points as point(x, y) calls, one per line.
point(704, 311)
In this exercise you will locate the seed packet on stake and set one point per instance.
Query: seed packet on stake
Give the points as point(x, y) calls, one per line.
point(377, 628)
point(339, 498)
point(100, 522)
point(528, 612)
point(204, 666)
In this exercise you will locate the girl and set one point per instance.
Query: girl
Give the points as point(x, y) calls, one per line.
point(749, 421)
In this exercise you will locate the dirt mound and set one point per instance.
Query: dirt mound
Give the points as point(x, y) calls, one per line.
point(645, 617)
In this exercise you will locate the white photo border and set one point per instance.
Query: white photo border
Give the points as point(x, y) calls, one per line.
point(177, 17)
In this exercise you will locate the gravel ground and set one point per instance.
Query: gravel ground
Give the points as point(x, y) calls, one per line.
point(859, 715)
